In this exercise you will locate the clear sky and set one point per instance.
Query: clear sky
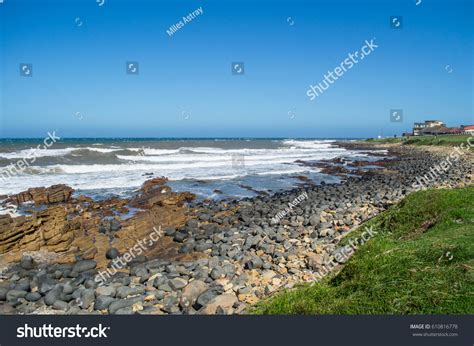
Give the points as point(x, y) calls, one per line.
point(185, 86)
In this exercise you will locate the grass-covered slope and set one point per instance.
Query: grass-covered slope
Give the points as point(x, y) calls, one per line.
point(420, 262)
point(443, 140)
point(438, 140)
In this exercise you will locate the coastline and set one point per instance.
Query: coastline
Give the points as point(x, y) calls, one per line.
point(214, 257)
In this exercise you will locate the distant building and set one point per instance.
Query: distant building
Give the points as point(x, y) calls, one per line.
point(440, 130)
point(453, 131)
point(467, 129)
point(428, 124)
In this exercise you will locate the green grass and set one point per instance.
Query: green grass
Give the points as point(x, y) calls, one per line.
point(439, 140)
point(444, 140)
point(385, 140)
point(420, 262)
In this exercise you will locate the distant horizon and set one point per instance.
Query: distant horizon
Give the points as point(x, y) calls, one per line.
point(194, 138)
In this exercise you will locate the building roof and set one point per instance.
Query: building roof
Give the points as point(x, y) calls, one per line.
point(440, 130)
point(468, 127)
point(453, 130)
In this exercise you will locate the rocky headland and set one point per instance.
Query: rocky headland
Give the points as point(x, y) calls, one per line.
point(208, 257)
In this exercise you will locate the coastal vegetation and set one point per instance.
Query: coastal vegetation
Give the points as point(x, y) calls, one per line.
point(420, 262)
point(444, 140)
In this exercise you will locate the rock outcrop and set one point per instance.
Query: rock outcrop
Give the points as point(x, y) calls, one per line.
point(41, 195)
point(81, 228)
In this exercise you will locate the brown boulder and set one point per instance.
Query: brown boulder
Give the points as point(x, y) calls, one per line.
point(154, 192)
point(154, 183)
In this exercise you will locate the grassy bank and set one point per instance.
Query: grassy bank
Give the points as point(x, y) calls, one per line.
point(385, 140)
point(439, 140)
point(420, 262)
point(445, 140)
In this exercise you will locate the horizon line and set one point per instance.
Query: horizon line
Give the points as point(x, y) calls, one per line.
point(192, 138)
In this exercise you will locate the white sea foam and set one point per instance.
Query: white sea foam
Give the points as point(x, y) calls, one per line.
point(308, 144)
point(34, 152)
point(202, 163)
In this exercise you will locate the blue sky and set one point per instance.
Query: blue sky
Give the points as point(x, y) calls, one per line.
point(185, 87)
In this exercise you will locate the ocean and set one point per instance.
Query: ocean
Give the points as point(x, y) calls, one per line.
point(210, 168)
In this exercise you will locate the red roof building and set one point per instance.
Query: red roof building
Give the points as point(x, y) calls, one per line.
point(454, 131)
point(469, 129)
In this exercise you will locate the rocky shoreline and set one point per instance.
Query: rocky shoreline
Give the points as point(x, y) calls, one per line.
point(210, 257)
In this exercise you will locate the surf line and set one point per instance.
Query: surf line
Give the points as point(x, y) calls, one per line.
point(185, 20)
